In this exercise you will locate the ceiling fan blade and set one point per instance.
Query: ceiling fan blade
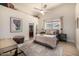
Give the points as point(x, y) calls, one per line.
point(37, 9)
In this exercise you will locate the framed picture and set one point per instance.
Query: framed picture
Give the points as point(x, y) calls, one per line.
point(15, 24)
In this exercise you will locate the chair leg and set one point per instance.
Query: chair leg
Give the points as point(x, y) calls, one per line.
point(16, 52)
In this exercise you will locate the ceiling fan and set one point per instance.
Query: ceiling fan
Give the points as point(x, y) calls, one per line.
point(41, 10)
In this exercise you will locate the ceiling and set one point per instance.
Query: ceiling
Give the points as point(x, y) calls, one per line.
point(30, 7)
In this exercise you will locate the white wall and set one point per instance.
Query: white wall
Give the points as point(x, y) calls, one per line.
point(77, 29)
point(68, 13)
point(5, 14)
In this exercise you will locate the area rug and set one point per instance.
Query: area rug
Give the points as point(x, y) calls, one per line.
point(33, 49)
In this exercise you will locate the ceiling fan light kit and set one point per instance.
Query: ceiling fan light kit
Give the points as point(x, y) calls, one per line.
point(41, 10)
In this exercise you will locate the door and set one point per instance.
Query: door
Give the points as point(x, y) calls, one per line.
point(31, 30)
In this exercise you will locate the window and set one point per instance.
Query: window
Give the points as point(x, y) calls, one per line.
point(53, 25)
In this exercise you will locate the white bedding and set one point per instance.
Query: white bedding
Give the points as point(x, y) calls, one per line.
point(51, 36)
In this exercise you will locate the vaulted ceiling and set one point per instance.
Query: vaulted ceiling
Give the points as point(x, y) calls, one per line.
point(29, 7)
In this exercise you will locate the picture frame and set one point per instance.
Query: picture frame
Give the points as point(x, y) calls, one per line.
point(15, 24)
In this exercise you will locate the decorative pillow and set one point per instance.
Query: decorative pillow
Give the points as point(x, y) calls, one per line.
point(49, 32)
point(49, 42)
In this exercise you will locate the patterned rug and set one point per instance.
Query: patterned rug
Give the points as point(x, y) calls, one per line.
point(39, 50)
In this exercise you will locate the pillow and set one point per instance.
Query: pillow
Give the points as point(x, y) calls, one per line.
point(49, 42)
point(49, 32)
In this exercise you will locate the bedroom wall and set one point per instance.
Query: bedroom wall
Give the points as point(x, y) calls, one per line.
point(5, 14)
point(77, 29)
point(68, 13)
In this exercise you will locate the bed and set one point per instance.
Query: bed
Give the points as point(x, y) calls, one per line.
point(43, 45)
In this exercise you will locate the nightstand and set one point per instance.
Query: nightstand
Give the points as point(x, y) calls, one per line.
point(62, 37)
